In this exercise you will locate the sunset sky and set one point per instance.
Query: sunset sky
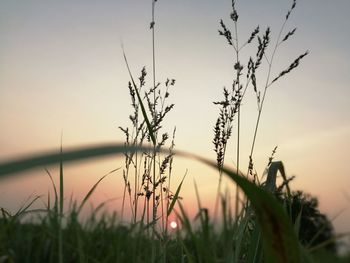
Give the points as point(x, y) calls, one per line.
point(62, 71)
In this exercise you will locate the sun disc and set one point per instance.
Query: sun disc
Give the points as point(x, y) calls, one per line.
point(173, 224)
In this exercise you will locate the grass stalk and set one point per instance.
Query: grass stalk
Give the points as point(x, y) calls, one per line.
point(154, 208)
point(60, 231)
point(268, 83)
point(238, 120)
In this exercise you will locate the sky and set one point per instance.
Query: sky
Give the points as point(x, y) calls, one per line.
point(62, 71)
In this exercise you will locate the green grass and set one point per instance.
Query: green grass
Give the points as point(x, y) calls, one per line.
point(60, 236)
point(102, 238)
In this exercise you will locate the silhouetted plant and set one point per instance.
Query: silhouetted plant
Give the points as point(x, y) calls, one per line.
point(150, 169)
point(245, 75)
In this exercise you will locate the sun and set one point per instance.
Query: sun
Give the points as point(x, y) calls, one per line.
point(173, 224)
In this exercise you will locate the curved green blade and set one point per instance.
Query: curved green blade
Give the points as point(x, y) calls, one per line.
point(280, 241)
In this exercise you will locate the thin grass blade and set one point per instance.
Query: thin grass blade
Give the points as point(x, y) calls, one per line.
point(273, 170)
point(93, 188)
point(176, 196)
point(149, 126)
point(54, 189)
